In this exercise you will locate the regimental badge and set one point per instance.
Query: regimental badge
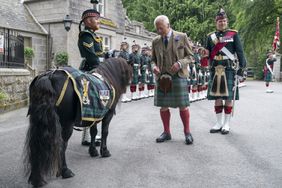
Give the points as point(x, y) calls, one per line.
point(104, 96)
point(85, 86)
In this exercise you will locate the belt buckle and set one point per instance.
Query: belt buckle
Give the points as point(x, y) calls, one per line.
point(220, 57)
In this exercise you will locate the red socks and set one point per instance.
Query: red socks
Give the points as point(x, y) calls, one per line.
point(133, 88)
point(185, 117)
point(165, 116)
point(227, 109)
point(218, 109)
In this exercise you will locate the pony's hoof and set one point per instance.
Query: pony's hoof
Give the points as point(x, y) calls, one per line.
point(37, 183)
point(67, 173)
point(93, 152)
point(105, 153)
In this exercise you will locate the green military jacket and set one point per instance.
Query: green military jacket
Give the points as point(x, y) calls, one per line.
point(125, 55)
point(233, 45)
point(91, 48)
point(135, 58)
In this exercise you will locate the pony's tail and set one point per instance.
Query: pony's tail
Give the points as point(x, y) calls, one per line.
point(43, 139)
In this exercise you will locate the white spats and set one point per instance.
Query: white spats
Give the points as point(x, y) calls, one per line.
point(86, 135)
point(219, 120)
point(226, 126)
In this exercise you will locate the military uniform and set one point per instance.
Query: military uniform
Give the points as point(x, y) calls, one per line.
point(151, 76)
point(91, 50)
point(268, 70)
point(125, 55)
point(195, 76)
point(145, 62)
point(223, 47)
point(135, 62)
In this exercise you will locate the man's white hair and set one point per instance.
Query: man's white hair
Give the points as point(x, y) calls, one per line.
point(161, 18)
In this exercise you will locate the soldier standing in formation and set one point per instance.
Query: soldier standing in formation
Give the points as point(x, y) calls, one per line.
point(135, 62)
point(151, 77)
point(125, 55)
point(268, 70)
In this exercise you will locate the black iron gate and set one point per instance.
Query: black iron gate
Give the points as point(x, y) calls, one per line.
point(12, 55)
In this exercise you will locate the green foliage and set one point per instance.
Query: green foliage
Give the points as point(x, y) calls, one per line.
point(28, 53)
point(254, 19)
point(3, 96)
point(61, 59)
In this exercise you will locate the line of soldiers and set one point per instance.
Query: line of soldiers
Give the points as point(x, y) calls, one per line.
point(198, 75)
point(143, 76)
point(142, 71)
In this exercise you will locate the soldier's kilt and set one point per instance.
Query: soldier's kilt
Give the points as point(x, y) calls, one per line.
point(230, 76)
point(177, 97)
point(151, 79)
point(135, 76)
point(268, 76)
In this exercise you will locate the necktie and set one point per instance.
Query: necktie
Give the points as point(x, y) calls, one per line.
point(165, 41)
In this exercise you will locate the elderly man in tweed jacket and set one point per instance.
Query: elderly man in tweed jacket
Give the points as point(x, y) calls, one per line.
point(171, 53)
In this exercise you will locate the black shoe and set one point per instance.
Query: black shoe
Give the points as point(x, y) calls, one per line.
point(223, 131)
point(164, 136)
point(215, 130)
point(189, 139)
point(85, 143)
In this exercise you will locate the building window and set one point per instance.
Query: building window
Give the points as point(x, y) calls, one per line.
point(11, 49)
point(106, 42)
point(101, 7)
point(138, 29)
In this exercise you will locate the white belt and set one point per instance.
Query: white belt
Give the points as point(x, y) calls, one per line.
point(221, 57)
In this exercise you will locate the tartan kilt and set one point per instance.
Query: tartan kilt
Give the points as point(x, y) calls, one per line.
point(143, 77)
point(151, 79)
point(268, 76)
point(230, 76)
point(135, 76)
point(177, 97)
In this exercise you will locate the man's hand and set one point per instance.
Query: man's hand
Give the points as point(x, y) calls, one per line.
point(156, 70)
point(175, 67)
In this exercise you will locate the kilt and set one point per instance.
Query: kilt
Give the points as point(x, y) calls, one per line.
point(230, 76)
point(151, 79)
point(143, 74)
point(135, 76)
point(268, 76)
point(177, 97)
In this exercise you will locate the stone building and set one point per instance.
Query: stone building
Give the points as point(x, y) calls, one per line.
point(38, 24)
point(114, 24)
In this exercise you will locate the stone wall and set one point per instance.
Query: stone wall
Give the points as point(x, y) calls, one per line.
point(39, 45)
point(15, 83)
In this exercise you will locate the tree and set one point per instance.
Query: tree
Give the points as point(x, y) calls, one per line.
point(254, 19)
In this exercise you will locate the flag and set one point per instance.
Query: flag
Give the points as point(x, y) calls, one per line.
point(276, 41)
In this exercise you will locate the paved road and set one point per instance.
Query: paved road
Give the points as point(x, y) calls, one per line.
point(250, 156)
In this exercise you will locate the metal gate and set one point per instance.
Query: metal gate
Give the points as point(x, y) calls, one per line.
point(12, 53)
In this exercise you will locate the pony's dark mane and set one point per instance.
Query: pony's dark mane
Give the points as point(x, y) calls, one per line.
point(117, 72)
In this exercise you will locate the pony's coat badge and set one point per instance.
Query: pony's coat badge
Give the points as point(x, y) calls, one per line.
point(104, 96)
point(85, 97)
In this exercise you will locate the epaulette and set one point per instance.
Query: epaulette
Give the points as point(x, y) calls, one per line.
point(85, 31)
point(98, 39)
point(210, 33)
point(233, 30)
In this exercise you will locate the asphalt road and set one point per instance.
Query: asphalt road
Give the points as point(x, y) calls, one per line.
point(250, 156)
